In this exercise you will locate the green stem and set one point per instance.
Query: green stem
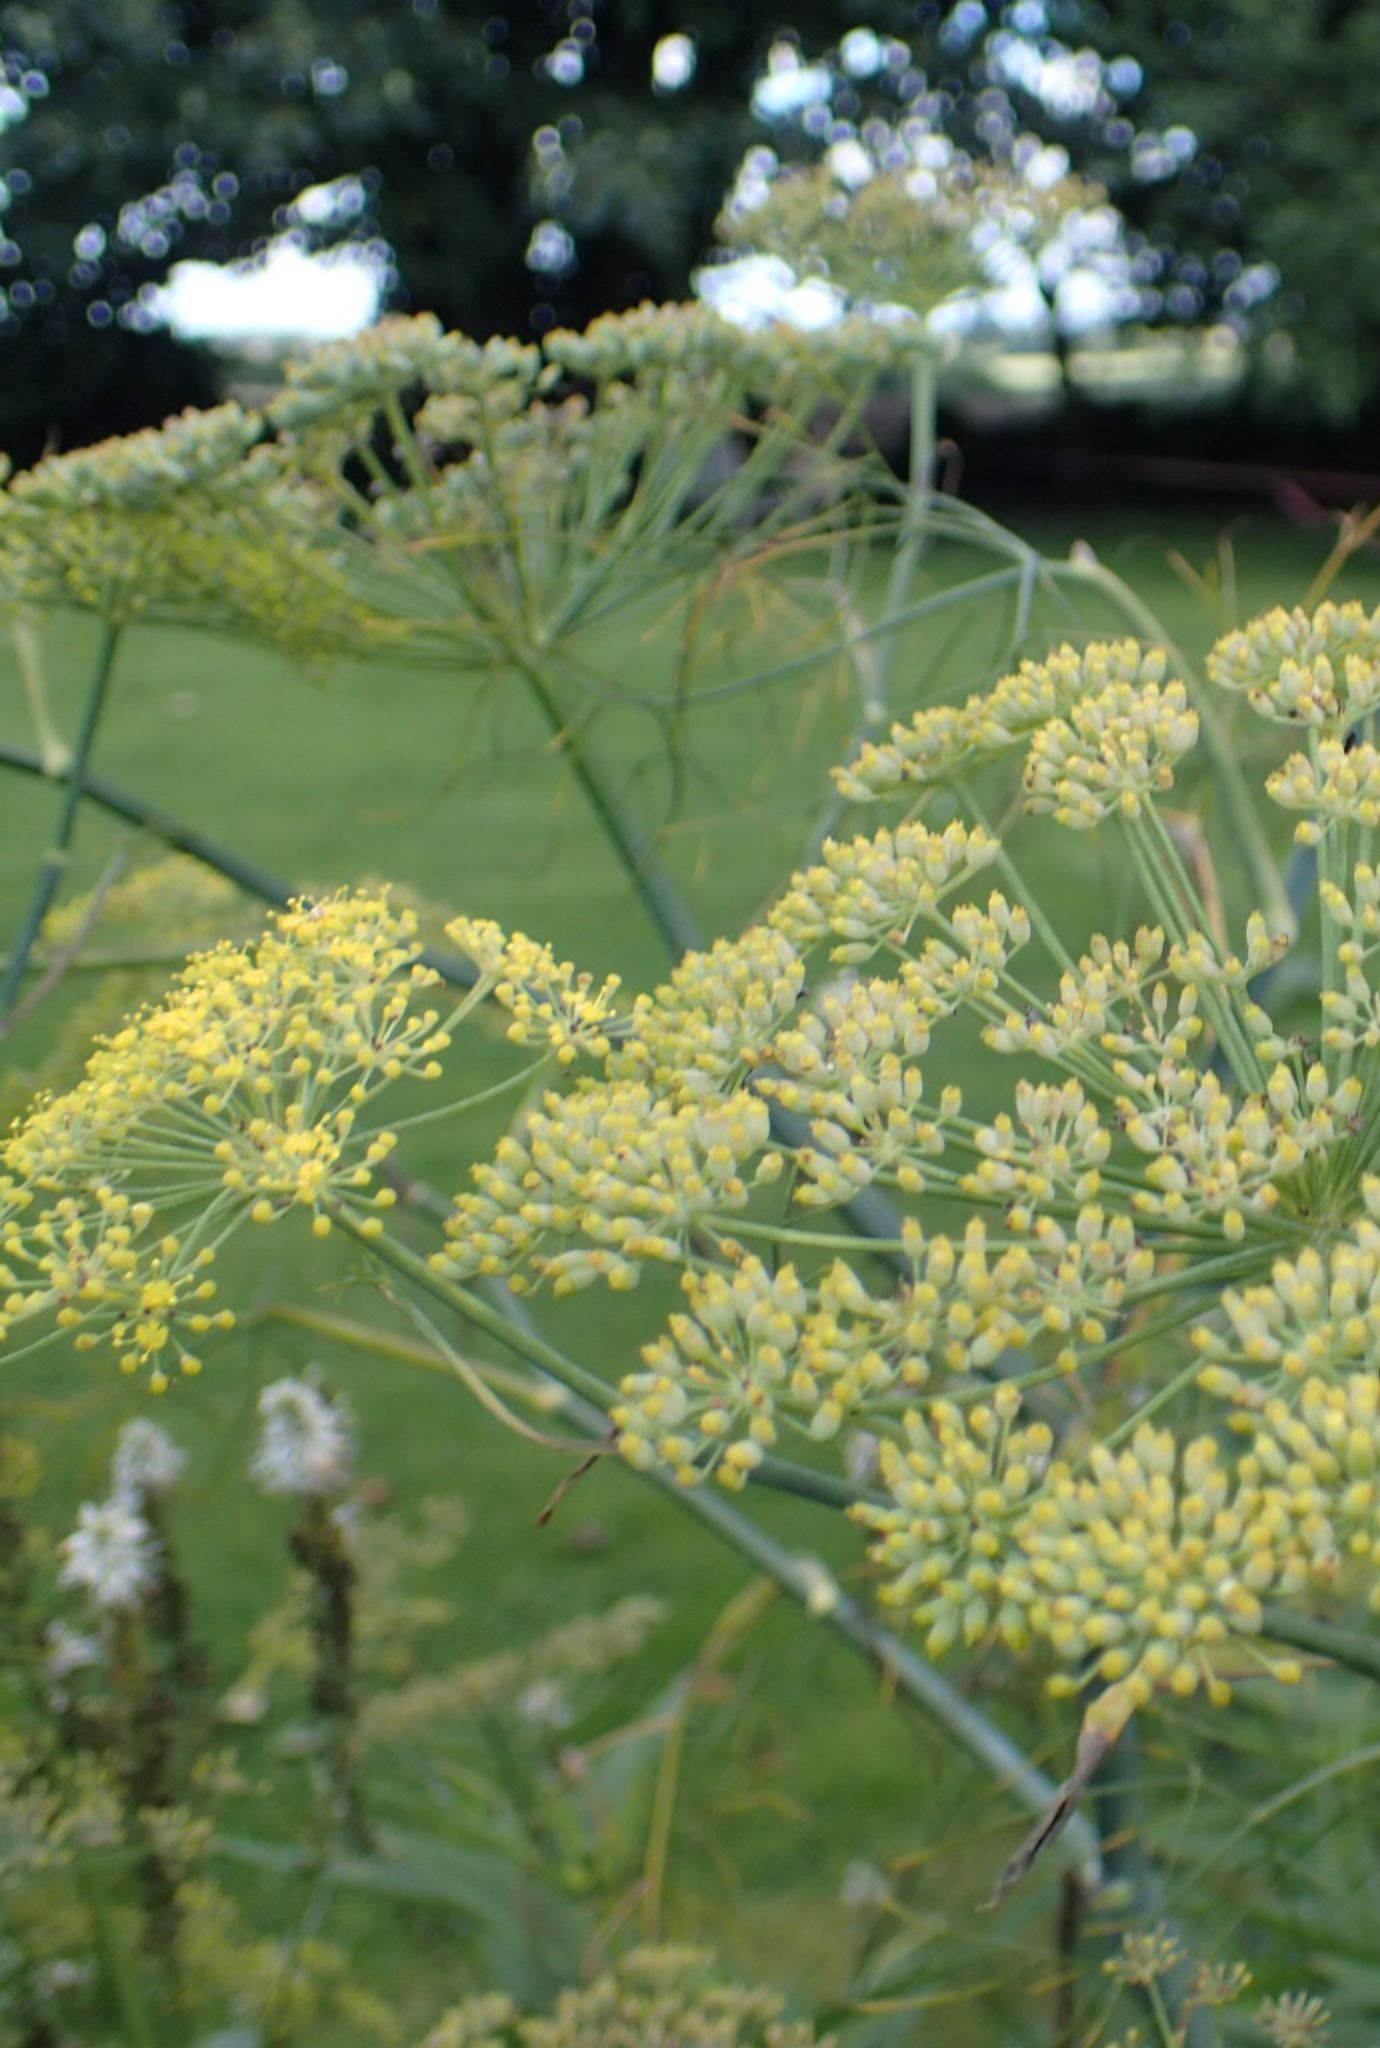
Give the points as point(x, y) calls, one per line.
point(1344, 1646)
point(222, 860)
point(873, 672)
point(29, 661)
point(913, 534)
point(926, 607)
point(55, 860)
point(667, 909)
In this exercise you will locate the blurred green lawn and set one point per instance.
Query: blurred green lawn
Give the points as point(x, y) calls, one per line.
point(446, 783)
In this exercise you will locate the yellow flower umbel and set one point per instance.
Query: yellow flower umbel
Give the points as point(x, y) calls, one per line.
point(716, 1019)
point(1322, 672)
point(550, 1004)
point(709, 1394)
point(621, 1173)
point(101, 1270)
point(1111, 751)
point(1151, 1561)
point(960, 1481)
point(1317, 1461)
point(247, 1092)
point(1168, 1207)
point(868, 891)
point(1317, 1318)
point(196, 520)
point(947, 740)
point(1337, 783)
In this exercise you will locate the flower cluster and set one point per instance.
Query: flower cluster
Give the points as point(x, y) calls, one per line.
point(550, 1004)
point(306, 1442)
point(1317, 1465)
point(1116, 1001)
point(1113, 749)
point(1150, 1561)
point(344, 383)
point(194, 520)
point(522, 483)
point(1318, 1315)
point(960, 1483)
point(625, 1174)
point(1209, 1155)
point(247, 1092)
point(651, 1995)
point(759, 1351)
point(946, 740)
point(717, 1373)
point(416, 490)
point(1142, 1566)
point(869, 891)
point(1179, 1211)
point(905, 236)
point(1103, 1191)
point(717, 1018)
point(115, 1556)
point(110, 1555)
point(1335, 784)
point(1321, 671)
point(139, 471)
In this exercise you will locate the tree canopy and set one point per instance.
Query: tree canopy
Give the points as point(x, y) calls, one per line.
point(526, 168)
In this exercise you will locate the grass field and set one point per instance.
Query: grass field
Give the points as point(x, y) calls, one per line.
point(794, 1767)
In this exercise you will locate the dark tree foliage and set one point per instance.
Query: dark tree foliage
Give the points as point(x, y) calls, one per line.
point(1287, 171)
point(140, 132)
point(185, 128)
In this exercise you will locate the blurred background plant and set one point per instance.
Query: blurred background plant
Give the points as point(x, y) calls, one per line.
point(176, 1832)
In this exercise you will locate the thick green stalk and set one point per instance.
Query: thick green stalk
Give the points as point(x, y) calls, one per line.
point(55, 860)
point(28, 659)
point(1116, 1799)
point(670, 914)
point(808, 1582)
point(223, 860)
point(913, 537)
point(873, 670)
point(65, 957)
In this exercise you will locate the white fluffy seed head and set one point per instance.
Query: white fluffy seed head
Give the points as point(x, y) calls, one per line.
point(306, 1442)
point(111, 1555)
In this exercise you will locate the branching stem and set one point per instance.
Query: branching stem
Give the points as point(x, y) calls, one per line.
point(55, 860)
